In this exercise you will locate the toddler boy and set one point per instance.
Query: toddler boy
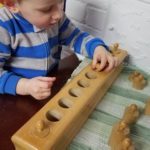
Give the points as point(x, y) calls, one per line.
point(30, 32)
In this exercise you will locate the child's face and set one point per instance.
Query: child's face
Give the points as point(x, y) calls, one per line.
point(41, 13)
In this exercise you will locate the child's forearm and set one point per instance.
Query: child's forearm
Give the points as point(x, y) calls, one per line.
point(21, 88)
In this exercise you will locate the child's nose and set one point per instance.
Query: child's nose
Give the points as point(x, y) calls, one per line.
point(56, 16)
point(57, 13)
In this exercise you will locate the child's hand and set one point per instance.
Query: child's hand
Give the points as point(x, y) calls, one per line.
point(106, 60)
point(38, 87)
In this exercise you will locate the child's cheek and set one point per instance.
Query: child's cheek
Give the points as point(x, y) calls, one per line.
point(41, 23)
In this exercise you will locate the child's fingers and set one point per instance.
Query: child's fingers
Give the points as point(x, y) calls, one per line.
point(46, 94)
point(94, 62)
point(46, 85)
point(111, 63)
point(43, 90)
point(47, 79)
point(43, 95)
point(103, 63)
point(43, 82)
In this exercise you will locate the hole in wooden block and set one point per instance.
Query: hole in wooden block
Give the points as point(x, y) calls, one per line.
point(91, 75)
point(83, 83)
point(65, 103)
point(53, 115)
point(76, 92)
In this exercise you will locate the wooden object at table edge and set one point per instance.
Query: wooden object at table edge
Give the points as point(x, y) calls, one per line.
point(55, 125)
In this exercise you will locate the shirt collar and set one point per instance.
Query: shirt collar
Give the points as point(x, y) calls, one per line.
point(36, 29)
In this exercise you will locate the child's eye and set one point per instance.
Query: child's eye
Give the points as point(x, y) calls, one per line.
point(47, 9)
point(61, 1)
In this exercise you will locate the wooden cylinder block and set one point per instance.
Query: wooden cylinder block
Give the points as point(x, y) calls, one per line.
point(55, 125)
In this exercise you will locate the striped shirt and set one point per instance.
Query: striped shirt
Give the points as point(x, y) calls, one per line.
point(27, 51)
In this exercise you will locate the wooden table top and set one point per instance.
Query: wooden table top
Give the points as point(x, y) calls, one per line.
point(16, 110)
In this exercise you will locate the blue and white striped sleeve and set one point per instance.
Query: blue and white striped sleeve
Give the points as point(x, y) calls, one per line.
point(8, 80)
point(81, 42)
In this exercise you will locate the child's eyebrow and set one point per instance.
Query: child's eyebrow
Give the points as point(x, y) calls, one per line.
point(50, 5)
point(60, 1)
point(45, 7)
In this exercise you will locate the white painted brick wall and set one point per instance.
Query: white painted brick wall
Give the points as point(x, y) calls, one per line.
point(89, 15)
point(123, 21)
